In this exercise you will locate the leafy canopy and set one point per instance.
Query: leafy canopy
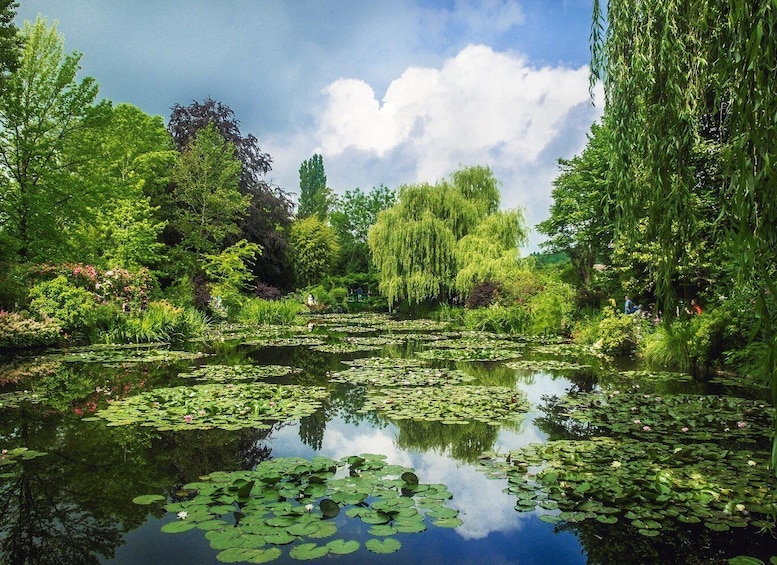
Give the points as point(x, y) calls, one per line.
point(414, 243)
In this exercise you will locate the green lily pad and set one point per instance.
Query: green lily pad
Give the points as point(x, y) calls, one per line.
point(388, 545)
point(343, 547)
point(147, 499)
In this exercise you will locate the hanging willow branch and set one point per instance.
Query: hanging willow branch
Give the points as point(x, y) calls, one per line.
point(665, 64)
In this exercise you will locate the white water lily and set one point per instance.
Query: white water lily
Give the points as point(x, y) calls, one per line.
point(183, 514)
point(615, 464)
point(309, 507)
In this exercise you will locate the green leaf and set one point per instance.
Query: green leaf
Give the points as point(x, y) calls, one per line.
point(343, 547)
point(147, 499)
point(388, 545)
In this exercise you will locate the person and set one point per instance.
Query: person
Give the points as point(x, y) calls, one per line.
point(311, 300)
point(695, 308)
point(630, 307)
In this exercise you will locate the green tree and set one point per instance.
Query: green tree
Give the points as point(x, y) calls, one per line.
point(134, 161)
point(314, 196)
point(206, 204)
point(268, 217)
point(9, 40)
point(667, 66)
point(42, 108)
point(582, 216)
point(352, 217)
point(490, 252)
point(414, 242)
point(314, 248)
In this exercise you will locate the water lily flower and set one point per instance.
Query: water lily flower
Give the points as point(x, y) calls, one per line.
point(202, 412)
point(637, 422)
point(725, 429)
point(741, 424)
point(183, 514)
point(634, 408)
point(308, 507)
point(645, 428)
point(740, 507)
point(615, 464)
point(188, 418)
point(684, 430)
point(751, 463)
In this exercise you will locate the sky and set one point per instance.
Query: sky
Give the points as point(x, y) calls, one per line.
point(389, 92)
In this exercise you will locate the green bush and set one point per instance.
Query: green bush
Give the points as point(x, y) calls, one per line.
point(74, 308)
point(18, 331)
point(161, 321)
point(551, 309)
point(695, 344)
point(612, 332)
point(258, 311)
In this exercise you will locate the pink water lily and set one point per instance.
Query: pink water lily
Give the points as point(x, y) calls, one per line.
point(188, 418)
point(645, 428)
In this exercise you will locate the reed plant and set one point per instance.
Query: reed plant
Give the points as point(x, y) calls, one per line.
point(161, 321)
point(279, 312)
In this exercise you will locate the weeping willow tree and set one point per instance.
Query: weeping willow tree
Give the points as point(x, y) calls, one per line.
point(667, 66)
point(490, 252)
point(415, 243)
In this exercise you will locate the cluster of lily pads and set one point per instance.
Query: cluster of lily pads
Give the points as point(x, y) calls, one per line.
point(449, 404)
point(230, 373)
point(479, 353)
point(228, 407)
point(383, 371)
point(16, 454)
point(657, 461)
point(112, 355)
point(250, 515)
point(546, 365)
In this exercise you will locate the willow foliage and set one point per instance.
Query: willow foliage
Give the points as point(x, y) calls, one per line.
point(490, 252)
point(420, 243)
point(667, 65)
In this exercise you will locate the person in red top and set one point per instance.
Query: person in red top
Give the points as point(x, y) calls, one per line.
point(695, 307)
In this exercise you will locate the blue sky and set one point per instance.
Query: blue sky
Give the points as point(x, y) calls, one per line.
point(388, 91)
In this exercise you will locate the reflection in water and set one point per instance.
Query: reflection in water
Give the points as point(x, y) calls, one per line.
point(74, 505)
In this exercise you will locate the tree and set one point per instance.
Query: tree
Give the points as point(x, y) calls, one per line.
point(42, 108)
point(352, 217)
point(268, 216)
point(206, 204)
point(10, 42)
point(314, 196)
point(314, 250)
point(582, 216)
point(134, 160)
point(490, 252)
point(414, 242)
point(667, 66)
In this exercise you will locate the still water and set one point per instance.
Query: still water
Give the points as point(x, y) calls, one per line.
point(75, 503)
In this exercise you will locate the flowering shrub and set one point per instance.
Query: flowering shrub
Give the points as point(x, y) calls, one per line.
point(113, 285)
point(18, 331)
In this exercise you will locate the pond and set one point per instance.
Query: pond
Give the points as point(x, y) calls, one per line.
point(357, 439)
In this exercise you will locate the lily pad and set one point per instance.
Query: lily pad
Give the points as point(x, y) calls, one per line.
point(236, 406)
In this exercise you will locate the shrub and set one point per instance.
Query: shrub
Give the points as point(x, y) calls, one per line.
point(694, 344)
point(267, 292)
point(258, 311)
point(483, 294)
point(18, 331)
point(73, 307)
point(552, 308)
point(620, 334)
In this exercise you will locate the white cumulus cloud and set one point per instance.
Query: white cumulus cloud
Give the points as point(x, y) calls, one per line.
point(479, 107)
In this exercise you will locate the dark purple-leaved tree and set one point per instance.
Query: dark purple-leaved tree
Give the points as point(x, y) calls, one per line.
point(269, 212)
